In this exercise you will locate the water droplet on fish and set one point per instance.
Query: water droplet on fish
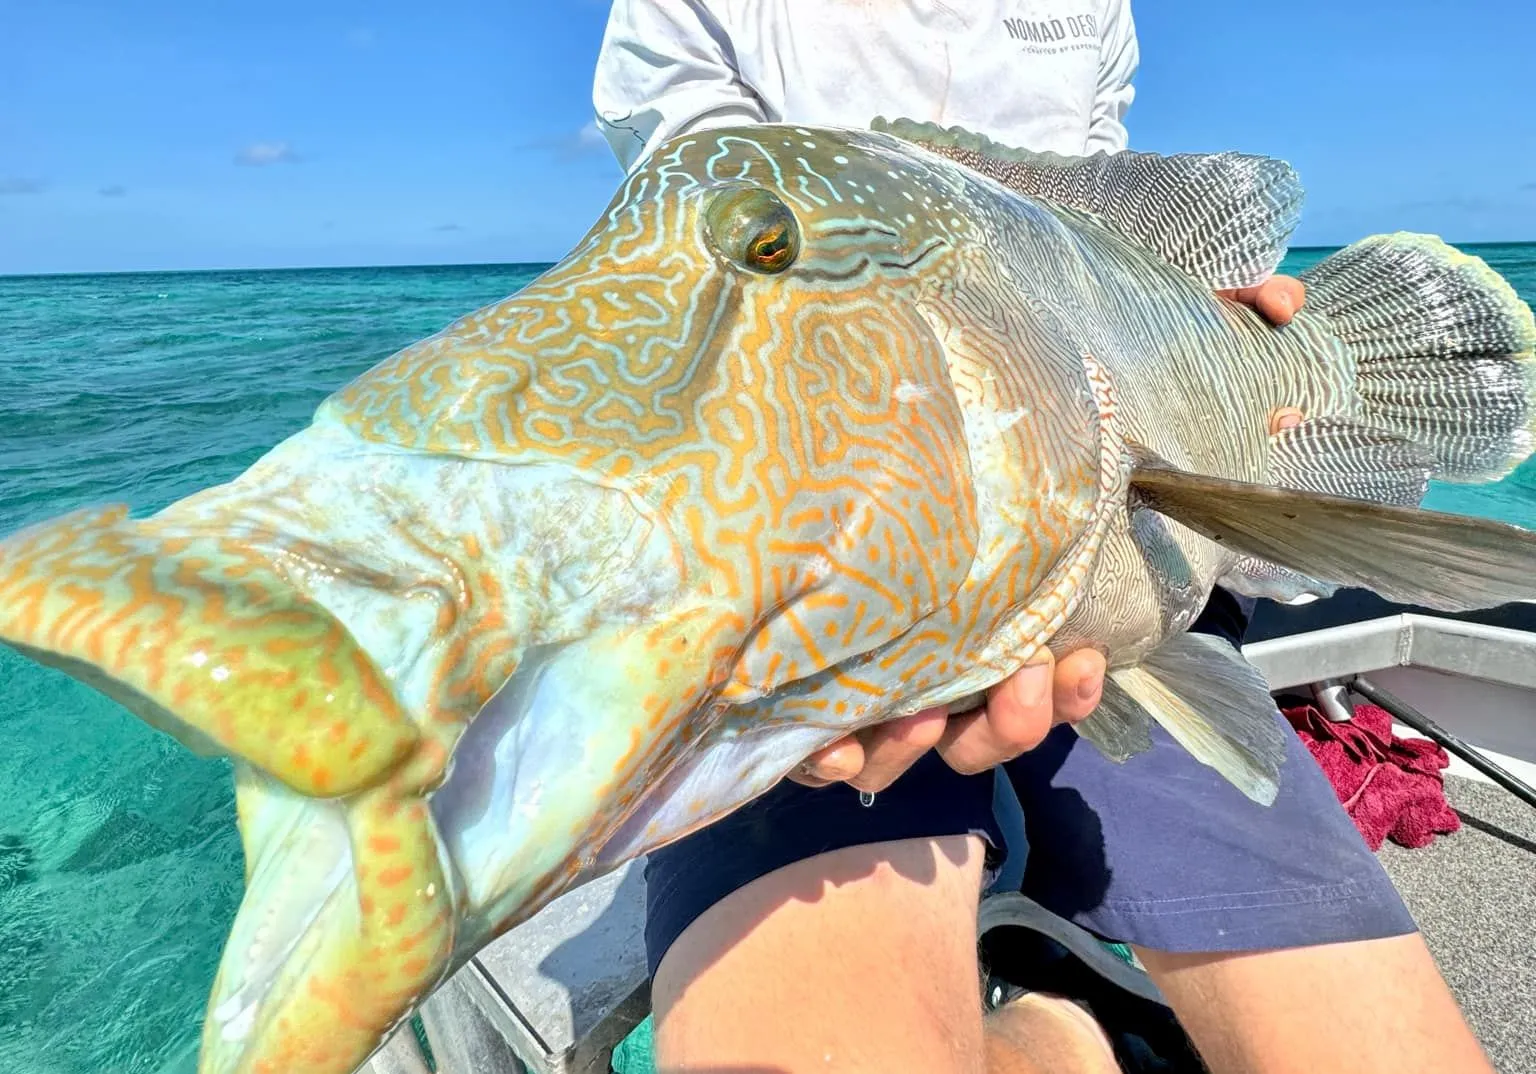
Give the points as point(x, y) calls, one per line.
point(866, 798)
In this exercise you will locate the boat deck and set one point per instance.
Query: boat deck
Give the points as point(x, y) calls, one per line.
point(1473, 893)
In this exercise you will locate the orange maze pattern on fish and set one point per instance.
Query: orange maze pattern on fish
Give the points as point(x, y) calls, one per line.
point(803, 432)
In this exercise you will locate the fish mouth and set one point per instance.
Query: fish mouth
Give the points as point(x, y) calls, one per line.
point(561, 756)
point(348, 917)
point(198, 636)
point(314, 621)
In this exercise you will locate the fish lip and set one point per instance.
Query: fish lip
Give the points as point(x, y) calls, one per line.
point(301, 862)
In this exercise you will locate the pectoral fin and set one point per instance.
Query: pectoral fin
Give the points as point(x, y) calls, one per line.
point(1119, 728)
point(1406, 554)
point(1336, 456)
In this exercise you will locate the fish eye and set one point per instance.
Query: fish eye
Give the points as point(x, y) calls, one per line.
point(753, 228)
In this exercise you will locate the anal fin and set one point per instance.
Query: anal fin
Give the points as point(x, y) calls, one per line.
point(1119, 728)
point(1254, 577)
point(1342, 456)
point(1214, 704)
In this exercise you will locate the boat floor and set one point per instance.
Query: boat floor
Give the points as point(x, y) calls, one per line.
point(1473, 894)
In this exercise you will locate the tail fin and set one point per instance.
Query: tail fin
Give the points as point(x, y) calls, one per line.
point(1445, 351)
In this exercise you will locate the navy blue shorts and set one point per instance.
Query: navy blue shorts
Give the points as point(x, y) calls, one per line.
point(1160, 852)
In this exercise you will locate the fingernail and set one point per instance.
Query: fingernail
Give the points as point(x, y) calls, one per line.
point(1087, 687)
point(1033, 686)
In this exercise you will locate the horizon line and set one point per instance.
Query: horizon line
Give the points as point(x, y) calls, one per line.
point(1310, 248)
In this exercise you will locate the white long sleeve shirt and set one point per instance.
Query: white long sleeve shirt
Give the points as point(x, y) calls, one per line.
point(1047, 75)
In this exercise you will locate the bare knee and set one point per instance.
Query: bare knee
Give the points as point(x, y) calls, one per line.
point(861, 959)
point(1040, 1034)
point(1384, 1001)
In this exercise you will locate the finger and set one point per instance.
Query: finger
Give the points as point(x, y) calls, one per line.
point(1016, 717)
point(1279, 297)
point(1078, 685)
point(892, 748)
point(1284, 417)
point(831, 764)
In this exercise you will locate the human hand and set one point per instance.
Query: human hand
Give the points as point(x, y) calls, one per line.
point(1018, 713)
point(1277, 299)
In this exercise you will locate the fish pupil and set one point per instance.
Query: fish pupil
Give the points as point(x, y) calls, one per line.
point(771, 249)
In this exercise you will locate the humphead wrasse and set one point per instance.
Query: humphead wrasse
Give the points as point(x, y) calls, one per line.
point(813, 429)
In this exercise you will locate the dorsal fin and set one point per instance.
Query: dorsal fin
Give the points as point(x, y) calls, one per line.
point(1222, 217)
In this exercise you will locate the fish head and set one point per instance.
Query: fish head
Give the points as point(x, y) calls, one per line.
point(466, 628)
point(738, 357)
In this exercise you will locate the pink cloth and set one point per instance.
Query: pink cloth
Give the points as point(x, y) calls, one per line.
point(1393, 788)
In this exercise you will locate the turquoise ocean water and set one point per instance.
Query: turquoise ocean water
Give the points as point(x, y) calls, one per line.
point(120, 867)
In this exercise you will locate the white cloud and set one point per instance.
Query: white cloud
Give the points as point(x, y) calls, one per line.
point(588, 138)
point(260, 154)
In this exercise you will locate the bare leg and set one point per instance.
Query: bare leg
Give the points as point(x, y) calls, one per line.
point(1369, 1007)
point(860, 960)
point(1037, 1034)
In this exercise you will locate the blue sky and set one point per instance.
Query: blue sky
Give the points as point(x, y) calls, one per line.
point(186, 134)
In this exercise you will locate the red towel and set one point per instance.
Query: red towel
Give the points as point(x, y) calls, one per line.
point(1392, 787)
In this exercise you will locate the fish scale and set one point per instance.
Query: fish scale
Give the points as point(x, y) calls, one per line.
point(814, 428)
